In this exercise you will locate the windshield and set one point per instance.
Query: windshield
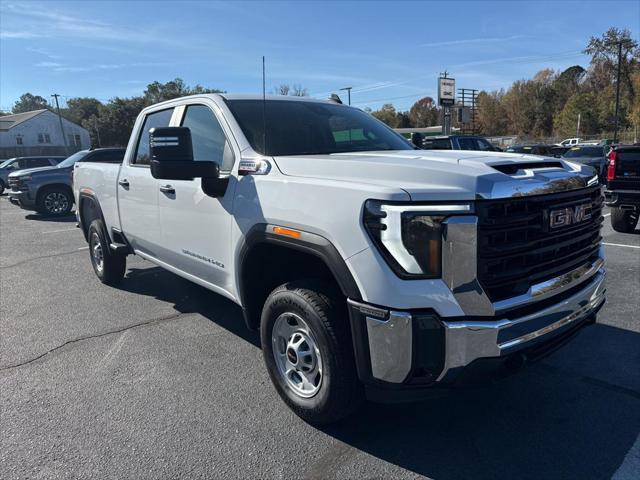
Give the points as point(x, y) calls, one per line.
point(69, 161)
point(308, 128)
point(584, 152)
point(6, 163)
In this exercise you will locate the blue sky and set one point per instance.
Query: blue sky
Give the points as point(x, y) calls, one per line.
point(387, 51)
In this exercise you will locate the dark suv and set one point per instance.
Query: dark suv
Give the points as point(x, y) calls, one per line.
point(459, 142)
point(48, 190)
point(622, 191)
point(21, 163)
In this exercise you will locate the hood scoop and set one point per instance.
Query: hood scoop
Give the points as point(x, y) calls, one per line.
point(515, 168)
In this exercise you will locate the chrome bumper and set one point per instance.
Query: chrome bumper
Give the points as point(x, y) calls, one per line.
point(389, 333)
point(467, 341)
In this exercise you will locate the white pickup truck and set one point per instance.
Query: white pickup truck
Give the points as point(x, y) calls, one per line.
point(371, 268)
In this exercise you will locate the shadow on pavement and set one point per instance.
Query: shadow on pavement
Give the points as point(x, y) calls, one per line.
point(50, 218)
point(560, 418)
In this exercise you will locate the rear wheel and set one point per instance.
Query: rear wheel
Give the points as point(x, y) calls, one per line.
point(108, 265)
point(624, 220)
point(307, 349)
point(55, 201)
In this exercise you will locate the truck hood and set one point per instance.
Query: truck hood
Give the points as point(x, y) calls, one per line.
point(29, 171)
point(444, 175)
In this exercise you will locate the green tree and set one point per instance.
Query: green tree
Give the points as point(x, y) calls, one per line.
point(387, 114)
point(28, 102)
point(159, 92)
point(81, 108)
point(566, 121)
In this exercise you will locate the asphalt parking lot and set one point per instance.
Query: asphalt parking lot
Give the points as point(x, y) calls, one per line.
point(160, 379)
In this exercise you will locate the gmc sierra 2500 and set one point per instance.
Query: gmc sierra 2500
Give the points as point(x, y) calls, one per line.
point(369, 267)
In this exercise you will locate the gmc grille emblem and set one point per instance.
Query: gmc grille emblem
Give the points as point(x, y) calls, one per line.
point(564, 217)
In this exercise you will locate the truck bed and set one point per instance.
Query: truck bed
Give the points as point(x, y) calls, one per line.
point(99, 179)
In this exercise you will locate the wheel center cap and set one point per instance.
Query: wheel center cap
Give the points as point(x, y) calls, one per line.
point(292, 356)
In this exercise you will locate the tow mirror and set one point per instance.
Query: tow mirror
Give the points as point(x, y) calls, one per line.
point(172, 156)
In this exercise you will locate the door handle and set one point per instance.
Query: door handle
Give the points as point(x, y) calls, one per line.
point(124, 183)
point(167, 189)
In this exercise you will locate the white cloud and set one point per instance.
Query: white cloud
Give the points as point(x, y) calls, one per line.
point(20, 35)
point(472, 41)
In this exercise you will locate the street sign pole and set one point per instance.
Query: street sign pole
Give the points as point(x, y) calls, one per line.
point(446, 98)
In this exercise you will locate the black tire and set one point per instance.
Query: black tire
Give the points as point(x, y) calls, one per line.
point(623, 220)
point(324, 312)
point(54, 201)
point(110, 270)
point(2, 187)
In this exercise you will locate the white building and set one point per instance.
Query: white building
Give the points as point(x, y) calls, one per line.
point(38, 133)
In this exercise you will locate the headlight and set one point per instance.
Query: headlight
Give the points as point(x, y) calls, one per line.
point(409, 236)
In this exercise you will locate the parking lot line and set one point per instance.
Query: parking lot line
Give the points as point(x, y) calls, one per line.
point(620, 245)
point(61, 230)
point(606, 214)
point(83, 248)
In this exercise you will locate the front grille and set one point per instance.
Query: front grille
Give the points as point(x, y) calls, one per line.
point(517, 248)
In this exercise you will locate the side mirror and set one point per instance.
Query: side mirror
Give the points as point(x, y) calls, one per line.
point(172, 156)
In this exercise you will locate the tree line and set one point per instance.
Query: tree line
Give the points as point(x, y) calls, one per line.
point(110, 123)
point(546, 105)
point(549, 103)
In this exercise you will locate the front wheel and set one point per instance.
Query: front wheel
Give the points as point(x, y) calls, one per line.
point(2, 187)
point(306, 344)
point(108, 266)
point(55, 201)
point(624, 220)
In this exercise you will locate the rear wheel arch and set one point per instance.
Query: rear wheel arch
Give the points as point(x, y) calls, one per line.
point(268, 260)
point(89, 210)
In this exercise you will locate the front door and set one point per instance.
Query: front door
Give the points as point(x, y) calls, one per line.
point(138, 191)
point(196, 228)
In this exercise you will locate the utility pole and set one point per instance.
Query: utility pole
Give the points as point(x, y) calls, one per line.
point(64, 137)
point(578, 127)
point(615, 128)
point(348, 89)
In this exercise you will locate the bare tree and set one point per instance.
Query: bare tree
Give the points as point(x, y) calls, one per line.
point(296, 90)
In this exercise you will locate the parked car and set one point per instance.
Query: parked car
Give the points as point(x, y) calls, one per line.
point(459, 142)
point(570, 142)
point(593, 155)
point(622, 190)
point(47, 190)
point(531, 149)
point(368, 266)
point(20, 163)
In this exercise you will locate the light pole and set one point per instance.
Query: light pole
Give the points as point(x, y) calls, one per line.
point(64, 137)
point(348, 89)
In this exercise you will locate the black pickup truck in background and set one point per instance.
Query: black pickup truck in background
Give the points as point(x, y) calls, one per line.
point(622, 191)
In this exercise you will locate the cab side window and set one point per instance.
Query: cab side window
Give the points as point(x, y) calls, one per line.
point(38, 162)
point(153, 120)
point(207, 136)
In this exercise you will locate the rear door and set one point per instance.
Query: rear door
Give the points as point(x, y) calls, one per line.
point(196, 228)
point(138, 190)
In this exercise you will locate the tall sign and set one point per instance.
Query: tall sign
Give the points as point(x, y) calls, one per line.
point(446, 98)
